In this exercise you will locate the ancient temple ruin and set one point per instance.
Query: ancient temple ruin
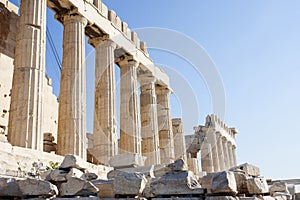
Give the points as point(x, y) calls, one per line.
point(45, 149)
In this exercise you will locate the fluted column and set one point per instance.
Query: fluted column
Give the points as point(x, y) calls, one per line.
point(206, 157)
point(148, 109)
point(234, 155)
point(130, 130)
point(220, 152)
point(225, 153)
point(165, 132)
point(105, 143)
point(179, 139)
point(25, 127)
point(72, 98)
point(230, 155)
point(212, 139)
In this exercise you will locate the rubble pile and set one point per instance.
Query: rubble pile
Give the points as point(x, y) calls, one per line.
point(71, 180)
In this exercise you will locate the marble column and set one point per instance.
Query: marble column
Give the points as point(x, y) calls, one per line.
point(165, 132)
point(193, 165)
point(220, 152)
point(206, 157)
point(25, 127)
point(225, 153)
point(72, 98)
point(148, 109)
point(234, 155)
point(230, 155)
point(105, 143)
point(212, 139)
point(130, 130)
point(179, 139)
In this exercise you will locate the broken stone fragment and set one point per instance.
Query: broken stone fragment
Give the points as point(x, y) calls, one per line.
point(129, 183)
point(72, 161)
point(224, 183)
point(257, 186)
point(175, 183)
point(178, 165)
point(74, 173)
point(223, 198)
point(106, 188)
point(77, 186)
point(279, 186)
point(127, 160)
point(89, 176)
point(249, 169)
point(207, 181)
point(9, 187)
point(35, 187)
point(241, 181)
point(58, 175)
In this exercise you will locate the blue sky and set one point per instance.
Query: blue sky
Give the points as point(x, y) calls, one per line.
point(255, 46)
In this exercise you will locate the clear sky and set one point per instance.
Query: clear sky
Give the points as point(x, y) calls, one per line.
point(255, 46)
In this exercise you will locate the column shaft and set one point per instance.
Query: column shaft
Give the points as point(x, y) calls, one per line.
point(225, 153)
point(130, 136)
point(206, 157)
point(72, 98)
point(179, 139)
point(166, 140)
point(234, 155)
point(25, 127)
point(230, 155)
point(105, 143)
point(148, 109)
point(220, 152)
point(212, 139)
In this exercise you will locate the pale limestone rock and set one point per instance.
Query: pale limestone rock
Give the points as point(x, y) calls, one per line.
point(9, 187)
point(77, 186)
point(58, 175)
point(35, 187)
point(221, 198)
point(281, 196)
point(241, 181)
point(105, 187)
point(257, 186)
point(224, 183)
point(175, 183)
point(179, 198)
point(178, 165)
point(250, 198)
point(129, 183)
point(249, 169)
point(148, 171)
point(72, 161)
point(279, 187)
point(74, 173)
point(127, 160)
point(207, 181)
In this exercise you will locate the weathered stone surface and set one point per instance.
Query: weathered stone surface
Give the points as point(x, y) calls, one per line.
point(180, 198)
point(9, 187)
point(257, 186)
point(127, 160)
point(279, 187)
point(175, 183)
point(207, 181)
point(148, 171)
point(221, 198)
point(241, 181)
point(89, 176)
point(129, 183)
point(249, 169)
point(160, 170)
point(72, 161)
point(35, 187)
point(77, 186)
point(106, 188)
point(224, 183)
point(178, 165)
point(58, 175)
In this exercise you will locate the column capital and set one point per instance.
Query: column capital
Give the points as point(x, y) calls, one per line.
point(127, 60)
point(159, 89)
point(103, 41)
point(146, 79)
point(72, 15)
point(224, 139)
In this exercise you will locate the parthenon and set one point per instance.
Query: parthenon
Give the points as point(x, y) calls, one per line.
point(46, 151)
